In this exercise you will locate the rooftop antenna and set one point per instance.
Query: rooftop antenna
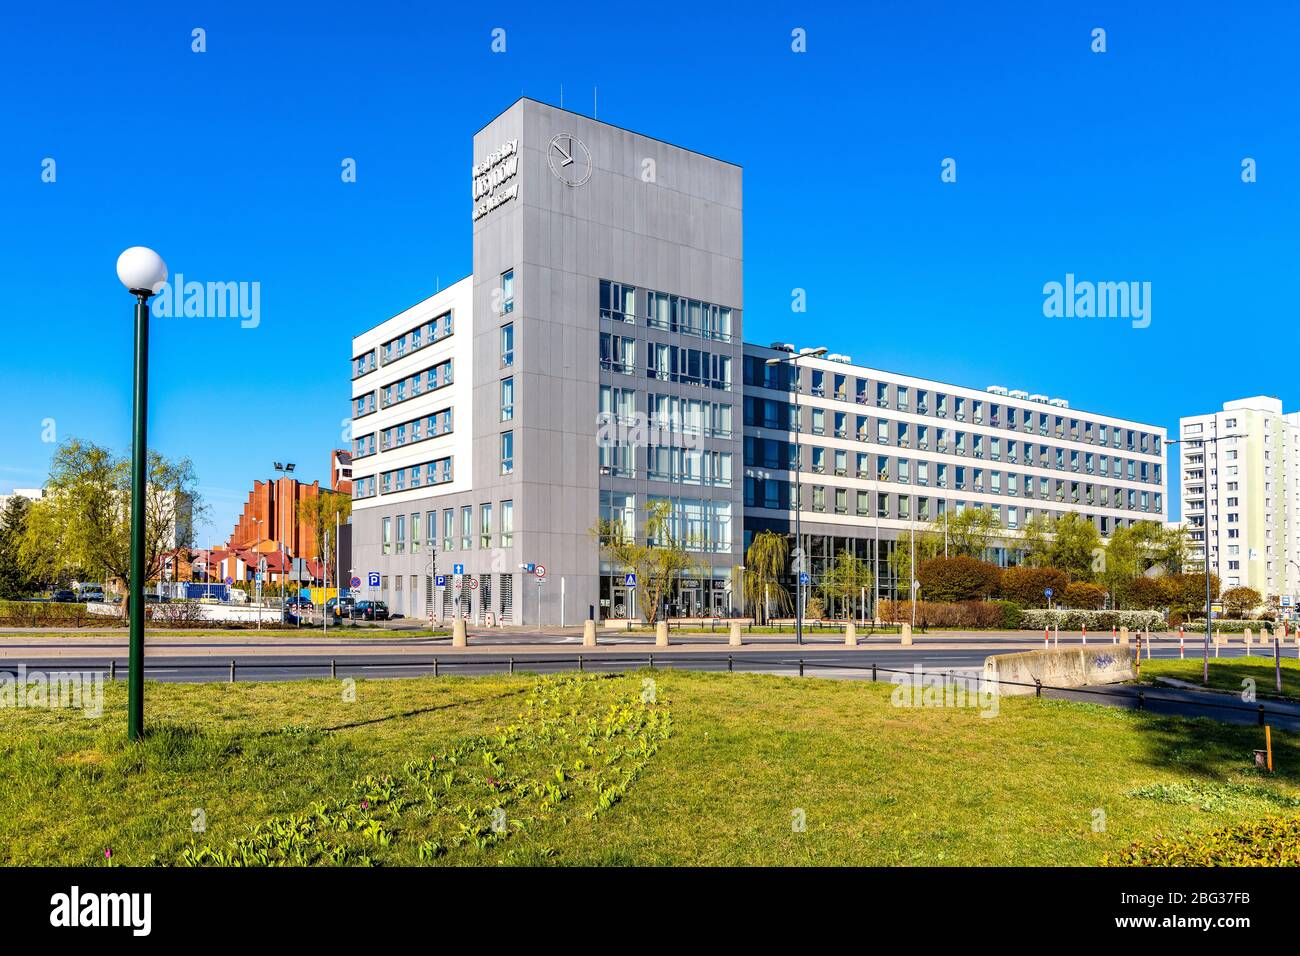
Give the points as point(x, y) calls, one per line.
point(595, 112)
point(561, 96)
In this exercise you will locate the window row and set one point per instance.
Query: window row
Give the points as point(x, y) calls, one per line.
point(418, 383)
point(762, 413)
point(437, 472)
point(693, 523)
point(401, 535)
point(625, 303)
point(904, 398)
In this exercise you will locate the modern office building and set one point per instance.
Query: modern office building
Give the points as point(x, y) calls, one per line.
point(497, 422)
point(884, 453)
point(592, 365)
point(1240, 473)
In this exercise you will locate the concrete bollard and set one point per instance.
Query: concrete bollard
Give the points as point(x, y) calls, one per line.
point(734, 639)
point(458, 635)
point(850, 635)
point(1247, 636)
point(905, 634)
point(661, 634)
point(588, 633)
point(1123, 636)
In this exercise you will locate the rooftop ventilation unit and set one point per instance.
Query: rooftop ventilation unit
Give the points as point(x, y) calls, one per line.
point(1038, 398)
point(811, 348)
point(1018, 393)
point(782, 347)
point(1059, 403)
point(996, 390)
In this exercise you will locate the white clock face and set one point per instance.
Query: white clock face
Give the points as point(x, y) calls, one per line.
point(569, 159)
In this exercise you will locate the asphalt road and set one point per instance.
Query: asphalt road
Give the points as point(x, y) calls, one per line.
point(827, 661)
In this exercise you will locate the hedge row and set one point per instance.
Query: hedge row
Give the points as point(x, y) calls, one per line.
point(980, 614)
point(1074, 620)
point(44, 613)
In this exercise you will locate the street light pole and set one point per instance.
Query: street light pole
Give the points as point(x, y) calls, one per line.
point(143, 272)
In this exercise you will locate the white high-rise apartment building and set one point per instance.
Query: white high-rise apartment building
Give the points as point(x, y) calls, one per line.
point(1240, 473)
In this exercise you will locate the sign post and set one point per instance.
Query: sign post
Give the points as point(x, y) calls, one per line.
point(539, 570)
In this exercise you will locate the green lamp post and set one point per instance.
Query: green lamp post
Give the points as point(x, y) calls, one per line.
point(143, 272)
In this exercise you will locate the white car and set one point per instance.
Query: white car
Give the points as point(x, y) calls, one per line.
point(89, 595)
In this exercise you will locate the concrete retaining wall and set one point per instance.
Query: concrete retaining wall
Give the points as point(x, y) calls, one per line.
point(1058, 667)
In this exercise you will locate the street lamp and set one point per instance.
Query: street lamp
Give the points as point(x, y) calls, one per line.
point(1205, 547)
point(143, 272)
point(793, 359)
point(284, 469)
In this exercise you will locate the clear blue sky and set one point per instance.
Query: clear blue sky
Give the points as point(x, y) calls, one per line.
point(1116, 166)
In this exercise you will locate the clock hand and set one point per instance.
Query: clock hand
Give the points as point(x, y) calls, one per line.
point(568, 155)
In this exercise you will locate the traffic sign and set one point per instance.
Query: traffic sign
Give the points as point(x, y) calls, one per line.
point(440, 580)
point(373, 579)
point(530, 567)
point(1047, 591)
point(803, 577)
point(229, 580)
point(540, 570)
point(629, 579)
point(458, 569)
point(473, 584)
point(356, 582)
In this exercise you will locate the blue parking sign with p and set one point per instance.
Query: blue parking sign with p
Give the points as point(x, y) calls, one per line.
point(373, 579)
point(440, 580)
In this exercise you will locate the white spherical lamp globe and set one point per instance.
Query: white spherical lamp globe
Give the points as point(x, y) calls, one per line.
point(141, 268)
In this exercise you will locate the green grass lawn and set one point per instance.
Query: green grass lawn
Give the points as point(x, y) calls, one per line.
point(692, 769)
point(1228, 673)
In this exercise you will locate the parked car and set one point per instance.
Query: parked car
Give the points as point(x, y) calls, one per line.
point(340, 608)
point(300, 603)
point(371, 611)
point(88, 594)
point(63, 595)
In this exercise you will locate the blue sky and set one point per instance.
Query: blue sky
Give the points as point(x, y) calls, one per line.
point(1122, 166)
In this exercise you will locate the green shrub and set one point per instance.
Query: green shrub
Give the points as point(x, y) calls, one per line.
point(1012, 614)
point(44, 614)
point(1272, 841)
point(1073, 620)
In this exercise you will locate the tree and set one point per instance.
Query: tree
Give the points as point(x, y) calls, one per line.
point(1239, 602)
point(1035, 539)
point(319, 513)
point(959, 578)
point(846, 579)
point(1028, 586)
point(1135, 550)
point(16, 579)
point(1142, 593)
point(84, 520)
point(764, 565)
point(969, 532)
point(1084, 595)
point(659, 561)
point(1076, 546)
point(1186, 592)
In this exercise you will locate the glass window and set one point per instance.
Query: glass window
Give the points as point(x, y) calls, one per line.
point(507, 453)
point(387, 535)
point(507, 292)
point(507, 523)
point(507, 399)
point(466, 527)
point(448, 529)
point(507, 345)
point(485, 525)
